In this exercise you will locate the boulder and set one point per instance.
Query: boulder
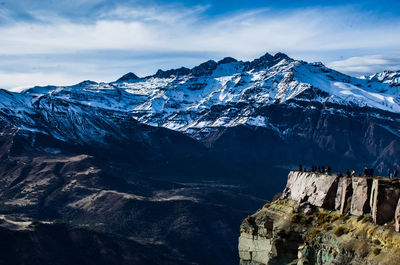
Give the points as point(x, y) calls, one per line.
point(361, 194)
point(254, 249)
point(397, 217)
point(373, 198)
point(315, 188)
point(384, 200)
point(343, 194)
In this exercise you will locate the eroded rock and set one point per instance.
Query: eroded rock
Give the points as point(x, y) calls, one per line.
point(384, 200)
point(315, 188)
point(295, 230)
point(361, 194)
point(397, 217)
point(264, 239)
point(343, 194)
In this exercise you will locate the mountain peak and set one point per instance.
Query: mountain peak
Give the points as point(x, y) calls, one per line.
point(266, 57)
point(205, 68)
point(128, 77)
point(280, 56)
point(277, 57)
point(387, 76)
point(86, 83)
point(176, 72)
point(267, 60)
point(227, 60)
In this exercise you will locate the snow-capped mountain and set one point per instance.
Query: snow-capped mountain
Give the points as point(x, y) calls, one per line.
point(227, 93)
point(392, 78)
point(179, 158)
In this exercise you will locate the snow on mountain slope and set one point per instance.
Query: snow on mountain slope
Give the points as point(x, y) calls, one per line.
point(348, 90)
point(214, 94)
point(389, 77)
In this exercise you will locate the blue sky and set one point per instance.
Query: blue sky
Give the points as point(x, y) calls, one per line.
point(64, 42)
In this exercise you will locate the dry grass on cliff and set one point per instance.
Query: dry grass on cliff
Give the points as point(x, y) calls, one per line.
point(324, 217)
point(369, 241)
point(376, 251)
point(340, 230)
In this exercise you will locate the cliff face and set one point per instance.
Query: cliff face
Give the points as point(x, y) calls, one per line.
point(325, 219)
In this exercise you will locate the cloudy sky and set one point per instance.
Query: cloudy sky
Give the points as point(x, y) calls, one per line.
point(64, 42)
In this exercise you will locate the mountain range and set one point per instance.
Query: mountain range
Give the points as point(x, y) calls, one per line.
point(171, 163)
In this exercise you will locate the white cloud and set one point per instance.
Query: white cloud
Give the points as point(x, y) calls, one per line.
point(20, 81)
point(245, 34)
point(161, 14)
point(170, 29)
point(366, 64)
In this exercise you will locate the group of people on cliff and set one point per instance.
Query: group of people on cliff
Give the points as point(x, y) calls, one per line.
point(352, 174)
point(368, 172)
point(316, 169)
point(393, 174)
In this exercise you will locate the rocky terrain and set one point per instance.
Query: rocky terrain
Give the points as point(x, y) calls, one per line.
point(38, 243)
point(103, 200)
point(326, 219)
point(179, 158)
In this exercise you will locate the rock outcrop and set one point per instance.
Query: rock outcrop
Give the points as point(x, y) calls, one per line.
point(397, 217)
point(361, 194)
point(384, 200)
point(344, 193)
point(315, 188)
point(378, 196)
point(326, 219)
point(261, 242)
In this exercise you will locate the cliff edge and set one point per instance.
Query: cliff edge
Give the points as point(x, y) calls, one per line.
point(325, 219)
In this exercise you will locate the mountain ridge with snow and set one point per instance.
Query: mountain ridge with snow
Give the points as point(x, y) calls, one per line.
point(188, 148)
point(226, 93)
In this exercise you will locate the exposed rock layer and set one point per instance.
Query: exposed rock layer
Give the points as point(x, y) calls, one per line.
point(384, 200)
point(314, 188)
point(299, 228)
point(361, 194)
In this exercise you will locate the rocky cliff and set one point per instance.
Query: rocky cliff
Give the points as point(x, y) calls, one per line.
point(325, 219)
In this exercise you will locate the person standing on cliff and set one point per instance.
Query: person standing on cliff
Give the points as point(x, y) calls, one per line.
point(389, 173)
point(353, 172)
point(395, 172)
point(348, 173)
point(301, 168)
point(371, 172)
